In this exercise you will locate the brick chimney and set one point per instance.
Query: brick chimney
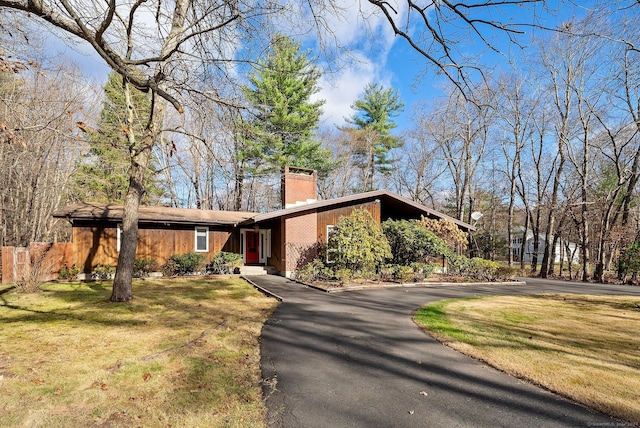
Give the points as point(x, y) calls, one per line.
point(299, 186)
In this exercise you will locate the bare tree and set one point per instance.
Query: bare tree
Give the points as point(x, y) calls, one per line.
point(41, 109)
point(517, 103)
point(562, 60)
point(461, 130)
point(437, 29)
point(421, 166)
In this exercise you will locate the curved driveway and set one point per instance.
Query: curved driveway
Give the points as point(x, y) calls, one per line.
point(356, 359)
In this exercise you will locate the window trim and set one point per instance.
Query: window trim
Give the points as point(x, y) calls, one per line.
point(199, 229)
point(118, 237)
point(329, 230)
point(265, 244)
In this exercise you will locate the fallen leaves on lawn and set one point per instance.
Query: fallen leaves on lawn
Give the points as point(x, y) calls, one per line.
point(100, 385)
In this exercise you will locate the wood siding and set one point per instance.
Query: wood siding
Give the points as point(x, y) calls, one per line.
point(331, 217)
point(96, 243)
point(43, 259)
point(277, 246)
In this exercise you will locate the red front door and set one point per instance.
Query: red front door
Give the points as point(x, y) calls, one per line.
point(252, 243)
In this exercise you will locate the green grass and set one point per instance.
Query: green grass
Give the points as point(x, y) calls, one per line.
point(181, 353)
point(583, 347)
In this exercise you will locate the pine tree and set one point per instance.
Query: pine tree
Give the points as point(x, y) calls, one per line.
point(371, 135)
point(279, 130)
point(103, 174)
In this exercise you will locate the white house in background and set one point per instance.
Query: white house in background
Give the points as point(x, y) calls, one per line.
point(564, 250)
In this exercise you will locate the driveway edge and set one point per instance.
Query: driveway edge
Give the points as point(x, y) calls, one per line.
point(409, 285)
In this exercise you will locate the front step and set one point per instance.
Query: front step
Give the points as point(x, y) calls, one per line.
point(256, 270)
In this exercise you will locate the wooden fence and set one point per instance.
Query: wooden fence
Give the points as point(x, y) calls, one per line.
point(40, 259)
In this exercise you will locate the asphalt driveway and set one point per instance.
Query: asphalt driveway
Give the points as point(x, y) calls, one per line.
point(356, 359)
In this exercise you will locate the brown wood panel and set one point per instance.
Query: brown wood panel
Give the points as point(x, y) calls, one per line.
point(277, 245)
point(7, 264)
point(331, 217)
point(217, 241)
point(96, 244)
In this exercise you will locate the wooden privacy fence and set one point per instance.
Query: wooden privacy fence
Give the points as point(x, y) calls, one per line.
point(40, 259)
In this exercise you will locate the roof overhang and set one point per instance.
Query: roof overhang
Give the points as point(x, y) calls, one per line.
point(391, 203)
point(92, 211)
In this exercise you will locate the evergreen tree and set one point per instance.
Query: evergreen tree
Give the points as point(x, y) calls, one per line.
point(279, 131)
point(103, 174)
point(371, 135)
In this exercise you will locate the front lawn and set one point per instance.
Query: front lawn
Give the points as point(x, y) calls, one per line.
point(582, 347)
point(181, 353)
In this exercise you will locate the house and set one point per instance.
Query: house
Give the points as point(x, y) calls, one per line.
point(564, 249)
point(279, 239)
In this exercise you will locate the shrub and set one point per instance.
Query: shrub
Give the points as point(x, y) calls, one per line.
point(170, 268)
point(423, 270)
point(103, 272)
point(629, 262)
point(447, 231)
point(361, 245)
point(344, 275)
point(40, 267)
point(68, 273)
point(507, 272)
point(315, 270)
point(224, 263)
point(144, 266)
point(183, 264)
point(476, 268)
point(404, 273)
point(411, 242)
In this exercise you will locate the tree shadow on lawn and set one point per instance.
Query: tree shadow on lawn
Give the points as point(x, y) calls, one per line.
point(166, 302)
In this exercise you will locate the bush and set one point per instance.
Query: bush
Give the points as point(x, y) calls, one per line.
point(404, 273)
point(314, 271)
point(361, 245)
point(507, 272)
point(224, 263)
point(144, 266)
point(103, 272)
point(344, 275)
point(476, 268)
point(68, 273)
point(629, 263)
point(447, 231)
point(423, 270)
point(411, 242)
point(183, 264)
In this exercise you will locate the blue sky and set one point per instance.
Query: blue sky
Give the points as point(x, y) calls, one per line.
point(381, 57)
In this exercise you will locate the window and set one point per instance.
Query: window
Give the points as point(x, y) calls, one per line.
point(330, 251)
point(202, 239)
point(118, 236)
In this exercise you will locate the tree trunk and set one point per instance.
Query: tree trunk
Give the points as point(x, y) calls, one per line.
point(524, 238)
point(129, 242)
point(140, 157)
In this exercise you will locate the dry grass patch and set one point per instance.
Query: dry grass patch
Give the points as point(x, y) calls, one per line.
point(583, 347)
point(182, 353)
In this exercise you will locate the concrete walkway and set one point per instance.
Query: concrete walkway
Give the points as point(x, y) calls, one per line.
point(356, 359)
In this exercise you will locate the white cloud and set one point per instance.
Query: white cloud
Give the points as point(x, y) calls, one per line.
point(341, 90)
point(367, 39)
